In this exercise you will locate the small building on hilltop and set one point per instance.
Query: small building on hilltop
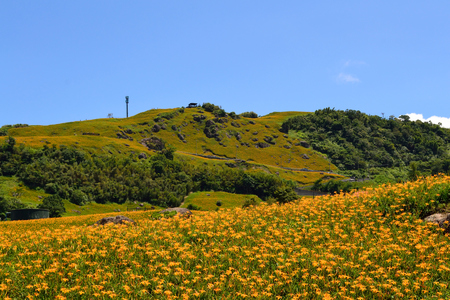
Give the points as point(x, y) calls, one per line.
point(192, 105)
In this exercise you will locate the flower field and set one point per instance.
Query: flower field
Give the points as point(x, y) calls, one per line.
point(364, 245)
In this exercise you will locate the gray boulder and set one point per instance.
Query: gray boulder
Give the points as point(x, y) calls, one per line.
point(440, 219)
point(178, 210)
point(115, 220)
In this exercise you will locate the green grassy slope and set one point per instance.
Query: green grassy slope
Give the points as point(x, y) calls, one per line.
point(239, 139)
point(208, 200)
point(11, 187)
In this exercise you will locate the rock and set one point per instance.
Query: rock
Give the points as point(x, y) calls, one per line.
point(123, 135)
point(141, 204)
point(231, 165)
point(442, 219)
point(262, 145)
point(128, 131)
point(115, 220)
point(235, 124)
point(267, 126)
point(199, 118)
point(255, 139)
point(178, 210)
point(255, 133)
point(153, 143)
point(251, 122)
point(287, 146)
point(304, 156)
point(181, 136)
point(270, 140)
point(142, 155)
point(221, 120)
point(304, 144)
point(174, 128)
point(156, 128)
point(285, 136)
point(238, 136)
point(210, 123)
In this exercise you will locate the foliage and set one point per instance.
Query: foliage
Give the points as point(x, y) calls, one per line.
point(356, 141)
point(249, 114)
point(209, 107)
point(78, 177)
point(250, 202)
point(233, 115)
point(333, 186)
point(168, 115)
point(219, 112)
point(54, 204)
point(8, 204)
point(193, 207)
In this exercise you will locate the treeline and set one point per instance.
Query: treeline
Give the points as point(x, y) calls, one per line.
point(354, 140)
point(160, 180)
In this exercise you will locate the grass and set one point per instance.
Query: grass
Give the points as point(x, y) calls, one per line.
point(207, 200)
point(284, 153)
point(12, 187)
point(363, 245)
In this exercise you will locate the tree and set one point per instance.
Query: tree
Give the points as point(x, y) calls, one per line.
point(54, 204)
point(413, 173)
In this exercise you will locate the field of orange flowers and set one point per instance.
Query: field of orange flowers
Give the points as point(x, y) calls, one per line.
point(363, 245)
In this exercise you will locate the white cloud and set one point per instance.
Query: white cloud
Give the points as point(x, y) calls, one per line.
point(434, 119)
point(347, 78)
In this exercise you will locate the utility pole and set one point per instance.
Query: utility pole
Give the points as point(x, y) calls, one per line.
point(126, 101)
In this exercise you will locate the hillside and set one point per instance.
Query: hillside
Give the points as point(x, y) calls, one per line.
point(157, 157)
point(194, 132)
point(356, 141)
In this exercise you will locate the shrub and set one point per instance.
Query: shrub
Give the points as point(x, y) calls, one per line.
point(54, 204)
point(209, 107)
point(220, 113)
point(250, 202)
point(249, 114)
point(233, 115)
point(79, 198)
point(193, 207)
point(7, 204)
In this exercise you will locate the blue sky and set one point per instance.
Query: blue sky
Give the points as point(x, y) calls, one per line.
point(65, 61)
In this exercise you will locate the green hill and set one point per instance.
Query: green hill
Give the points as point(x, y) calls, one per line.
point(357, 141)
point(192, 131)
point(158, 157)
